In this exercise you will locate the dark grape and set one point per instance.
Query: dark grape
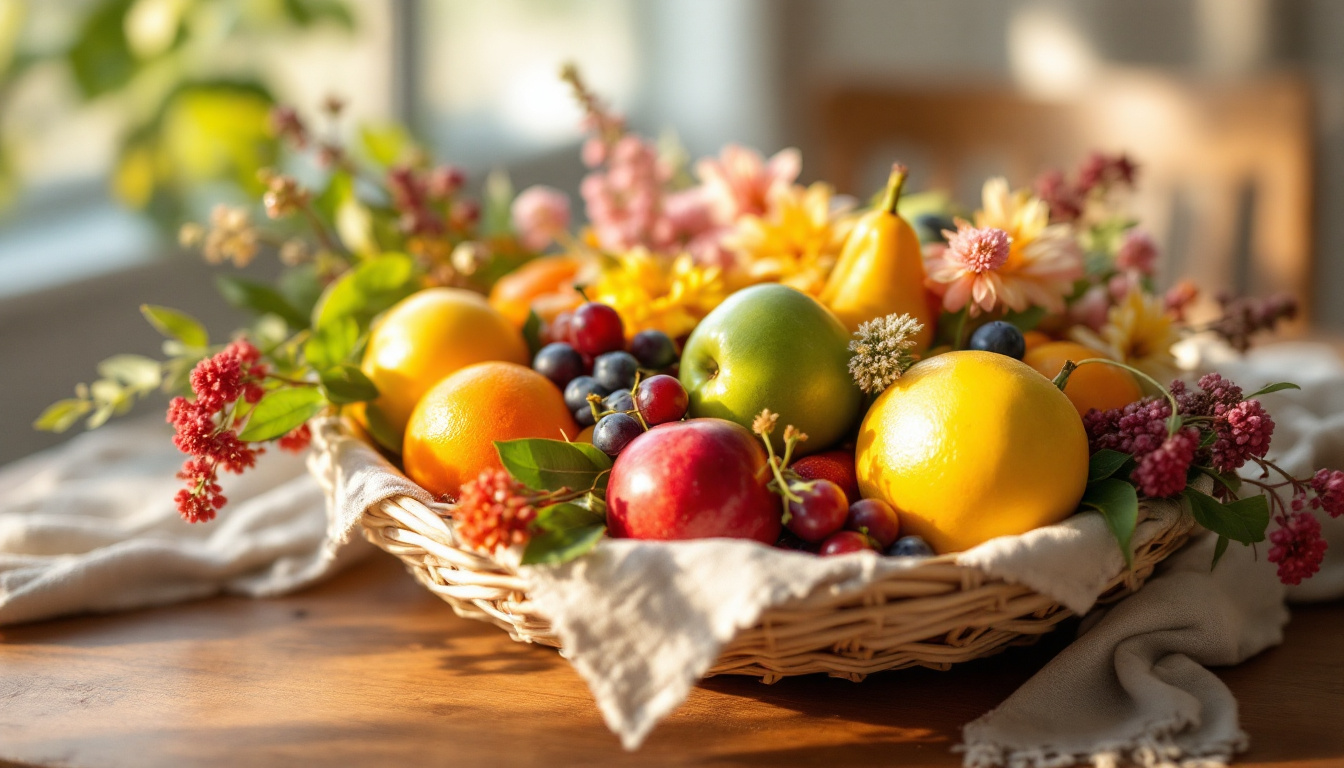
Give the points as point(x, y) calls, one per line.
point(558, 362)
point(614, 432)
point(620, 401)
point(578, 390)
point(653, 349)
point(616, 370)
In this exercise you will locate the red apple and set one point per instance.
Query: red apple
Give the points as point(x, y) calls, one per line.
point(693, 479)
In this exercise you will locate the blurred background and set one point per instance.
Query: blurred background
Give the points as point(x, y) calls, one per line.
point(119, 119)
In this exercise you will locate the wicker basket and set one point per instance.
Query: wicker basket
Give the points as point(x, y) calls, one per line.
point(932, 615)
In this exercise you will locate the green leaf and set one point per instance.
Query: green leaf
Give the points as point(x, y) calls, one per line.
point(1244, 520)
point(559, 517)
point(62, 415)
point(1118, 503)
point(496, 216)
point(1219, 549)
point(332, 344)
point(280, 411)
point(101, 58)
point(305, 13)
point(301, 287)
point(555, 547)
point(259, 298)
point(176, 325)
point(135, 371)
point(1105, 463)
point(369, 288)
point(1229, 481)
point(1268, 388)
point(532, 332)
point(550, 465)
point(385, 143)
point(348, 384)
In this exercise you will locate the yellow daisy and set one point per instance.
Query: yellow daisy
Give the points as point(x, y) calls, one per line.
point(796, 242)
point(657, 292)
point(1138, 331)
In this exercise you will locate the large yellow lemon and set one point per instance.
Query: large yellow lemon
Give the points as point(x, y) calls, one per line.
point(424, 338)
point(968, 446)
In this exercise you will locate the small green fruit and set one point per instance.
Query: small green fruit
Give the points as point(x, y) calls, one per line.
point(771, 346)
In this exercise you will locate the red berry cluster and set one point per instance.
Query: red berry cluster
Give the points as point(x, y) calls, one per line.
point(1245, 316)
point(493, 510)
point(205, 428)
point(425, 201)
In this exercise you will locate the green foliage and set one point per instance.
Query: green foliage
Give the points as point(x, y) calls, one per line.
point(281, 411)
point(553, 465)
point(259, 298)
point(496, 216)
point(332, 344)
point(176, 325)
point(1243, 520)
point(367, 290)
point(532, 332)
point(1105, 463)
point(1118, 503)
point(552, 547)
point(347, 384)
point(100, 58)
point(1268, 388)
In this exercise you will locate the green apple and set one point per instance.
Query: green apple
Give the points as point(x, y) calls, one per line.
point(771, 346)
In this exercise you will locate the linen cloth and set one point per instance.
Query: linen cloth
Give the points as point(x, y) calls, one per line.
point(91, 527)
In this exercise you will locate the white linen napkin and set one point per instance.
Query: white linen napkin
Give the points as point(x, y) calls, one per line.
point(91, 526)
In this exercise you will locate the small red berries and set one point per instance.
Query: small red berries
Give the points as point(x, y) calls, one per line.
point(819, 512)
point(845, 542)
point(595, 329)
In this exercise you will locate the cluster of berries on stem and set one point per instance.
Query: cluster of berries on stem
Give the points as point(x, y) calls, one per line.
point(206, 427)
point(1215, 429)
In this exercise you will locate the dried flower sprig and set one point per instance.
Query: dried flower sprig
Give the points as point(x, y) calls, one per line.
point(883, 349)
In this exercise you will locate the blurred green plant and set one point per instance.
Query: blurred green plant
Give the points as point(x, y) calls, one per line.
point(182, 77)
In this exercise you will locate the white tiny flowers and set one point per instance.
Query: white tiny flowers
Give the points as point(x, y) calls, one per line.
point(883, 348)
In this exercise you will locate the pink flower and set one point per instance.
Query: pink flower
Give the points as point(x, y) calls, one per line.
point(740, 183)
point(1329, 487)
point(1179, 298)
point(965, 271)
point(1137, 253)
point(690, 213)
point(493, 510)
point(1162, 472)
point(1092, 308)
point(540, 215)
point(1298, 547)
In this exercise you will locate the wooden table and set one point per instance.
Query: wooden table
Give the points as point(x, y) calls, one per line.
point(370, 669)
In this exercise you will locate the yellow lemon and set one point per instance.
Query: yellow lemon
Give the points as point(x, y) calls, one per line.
point(968, 446)
point(424, 338)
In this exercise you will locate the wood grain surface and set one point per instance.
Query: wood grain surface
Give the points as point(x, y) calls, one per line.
point(370, 669)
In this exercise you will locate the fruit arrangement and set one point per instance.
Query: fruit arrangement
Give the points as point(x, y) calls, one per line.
point(723, 352)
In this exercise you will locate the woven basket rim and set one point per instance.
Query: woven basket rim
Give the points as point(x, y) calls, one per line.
point(933, 613)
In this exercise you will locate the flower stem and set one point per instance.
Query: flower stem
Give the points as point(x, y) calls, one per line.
point(1062, 380)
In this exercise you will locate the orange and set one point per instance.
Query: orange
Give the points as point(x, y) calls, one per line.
point(545, 284)
point(970, 445)
point(422, 339)
point(1035, 339)
point(1091, 386)
point(452, 433)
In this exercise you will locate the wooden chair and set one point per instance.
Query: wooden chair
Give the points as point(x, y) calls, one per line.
point(1225, 179)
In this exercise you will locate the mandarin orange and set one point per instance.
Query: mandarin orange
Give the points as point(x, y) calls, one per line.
point(452, 432)
point(1092, 386)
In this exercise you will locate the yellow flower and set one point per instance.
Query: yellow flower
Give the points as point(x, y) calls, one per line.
point(1138, 331)
point(1044, 259)
point(657, 292)
point(796, 242)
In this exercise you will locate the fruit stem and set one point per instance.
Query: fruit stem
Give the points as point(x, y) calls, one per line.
point(894, 184)
point(635, 400)
point(1173, 424)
